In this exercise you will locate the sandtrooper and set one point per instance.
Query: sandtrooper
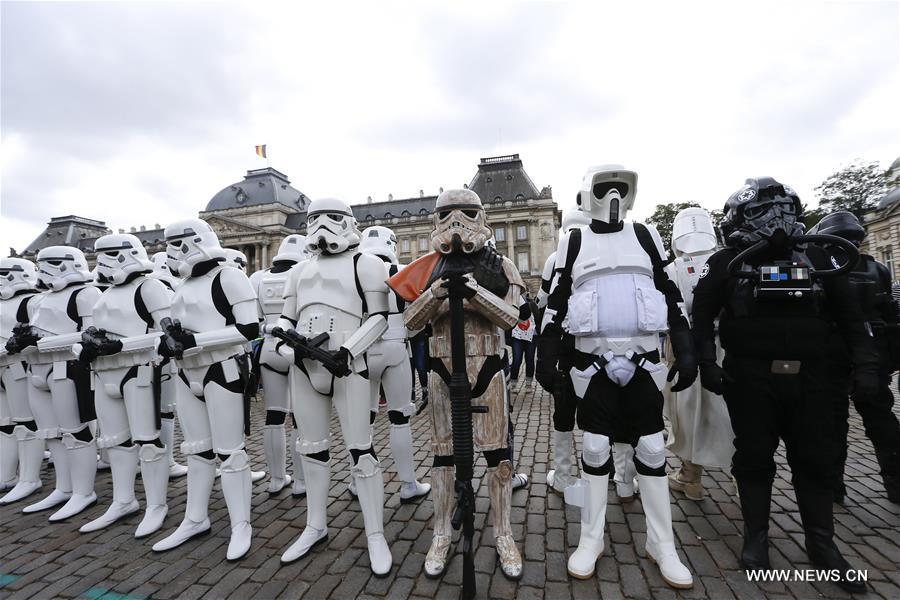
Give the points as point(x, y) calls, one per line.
point(121, 346)
point(493, 289)
point(213, 315)
point(21, 450)
point(390, 369)
point(274, 368)
point(339, 293)
point(59, 393)
point(613, 288)
point(701, 429)
point(166, 271)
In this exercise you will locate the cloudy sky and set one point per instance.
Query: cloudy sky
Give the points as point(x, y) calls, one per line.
point(138, 113)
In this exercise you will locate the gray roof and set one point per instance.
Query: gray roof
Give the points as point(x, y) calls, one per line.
point(69, 230)
point(503, 178)
point(404, 207)
point(260, 186)
point(889, 199)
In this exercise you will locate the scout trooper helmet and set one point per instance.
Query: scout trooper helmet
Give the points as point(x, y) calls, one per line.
point(573, 219)
point(60, 266)
point(16, 274)
point(607, 193)
point(235, 258)
point(459, 222)
point(693, 232)
point(330, 227)
point(760, 209)
point(191, 242)
point(380, 241)
point(292, 248)
point(118, 256)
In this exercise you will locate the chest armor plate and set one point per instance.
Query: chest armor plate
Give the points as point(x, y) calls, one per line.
point(270, 294)
point(193, 304)
point(687, 274)
point(327, 298)
point(8, 311)
point(608, 253)
point(116, 312)
point(51, 316)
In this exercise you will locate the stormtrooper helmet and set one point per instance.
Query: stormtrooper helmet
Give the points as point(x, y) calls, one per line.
point(330, 227)
point(118, 256)
point(191, 242)
point(693, 232)
point(236, 258)
point(161, 265)
point(759, 210)
point(292, 248)
point(16, 275)
point(60, 266)
point(607, 193)
point(459, 222)
point(574, 219)
point(380, 241)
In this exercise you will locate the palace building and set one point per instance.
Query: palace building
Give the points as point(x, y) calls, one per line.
point(255, 214)
point(883, 224)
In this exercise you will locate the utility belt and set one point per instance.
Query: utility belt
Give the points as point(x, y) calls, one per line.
point(581, 378)
point(600, 346)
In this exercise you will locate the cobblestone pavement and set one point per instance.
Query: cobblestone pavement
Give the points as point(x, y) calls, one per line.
point(39, 560)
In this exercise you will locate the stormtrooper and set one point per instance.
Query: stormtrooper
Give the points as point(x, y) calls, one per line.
point(121, 347)
point(59, 394)
point(21, 450)
point(390, 369)
point(335, 309)
point(213, 315)
point(168, 275)
point(274, 368)
point(492, 288)
point(701, 431)
point(612, 287)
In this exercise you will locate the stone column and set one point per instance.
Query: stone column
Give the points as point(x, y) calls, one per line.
point(265, 256)
point(510, 228)
point(534, 238)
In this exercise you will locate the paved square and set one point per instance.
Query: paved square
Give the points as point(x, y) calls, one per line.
point(39, 560)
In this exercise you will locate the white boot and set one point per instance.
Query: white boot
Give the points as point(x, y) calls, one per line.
point(155, 474)
point(318, 481)
point(236, 489)
point(103, 463)
point(83, 469)
point(443, 498)
point(500, 489)
point(167, 437)
point(9, 461)
point(63, 490)
point(200, 478)
point(274, 444)
point(626, 485)
point(401, 448)
point(370, 486)
point(583, 561)
point(660, 539)
point(562, 475)
point(123, 464)
point(299, 485)
point(31, 455)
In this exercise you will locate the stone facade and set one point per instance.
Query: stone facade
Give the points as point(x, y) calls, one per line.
point(883, 225)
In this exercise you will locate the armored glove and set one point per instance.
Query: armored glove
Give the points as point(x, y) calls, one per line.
point(23, 335)
point(712, 376)
point(489, 272)
point(546, 372)
point(685, 366)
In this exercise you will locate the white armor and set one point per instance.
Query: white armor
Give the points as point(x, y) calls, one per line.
point(64, 420)
point(209, 391)
point(21, 450)
point(236, 258)
point(571, 219)
point(342, 292)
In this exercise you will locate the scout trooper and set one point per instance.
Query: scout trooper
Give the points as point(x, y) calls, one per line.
point(390, 369)
point(701, 430)
point(214, 314)
point(274, 368)
point(340, 292)
point(20, 447)
point(166, 271)
point(121, 345)
point(493, 291)
point(59, 395)
point(612, 287)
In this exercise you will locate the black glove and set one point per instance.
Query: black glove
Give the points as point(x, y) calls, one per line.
point(489, 272)
point(712, 376)
point(23, 336)
point(685, 360)
point(455, 283)
point(171, 346)
point(865, 379)
point(342, 358)
point(545, 371)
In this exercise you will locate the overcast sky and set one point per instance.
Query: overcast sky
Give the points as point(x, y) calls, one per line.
point(139, 113)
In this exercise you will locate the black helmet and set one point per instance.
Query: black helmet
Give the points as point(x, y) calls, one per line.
point(759, 209)
point(843, 224)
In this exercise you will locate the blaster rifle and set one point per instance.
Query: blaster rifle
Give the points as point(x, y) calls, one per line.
point(173, 332)
point(23, 335)
point(309, 348)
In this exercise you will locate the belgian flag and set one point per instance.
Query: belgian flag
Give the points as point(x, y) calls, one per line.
point(261, 151)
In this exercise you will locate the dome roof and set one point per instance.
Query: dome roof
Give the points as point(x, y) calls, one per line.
point(260, 186)
point(890, 198)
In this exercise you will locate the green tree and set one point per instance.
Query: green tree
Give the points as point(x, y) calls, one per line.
point(664, 216)
point(855, 188)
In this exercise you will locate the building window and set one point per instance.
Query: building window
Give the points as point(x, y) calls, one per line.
point(522, 262)
point(423, 244)
point(500, 234)
point(521, 232)
point(404, 245)
point(887, 257)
